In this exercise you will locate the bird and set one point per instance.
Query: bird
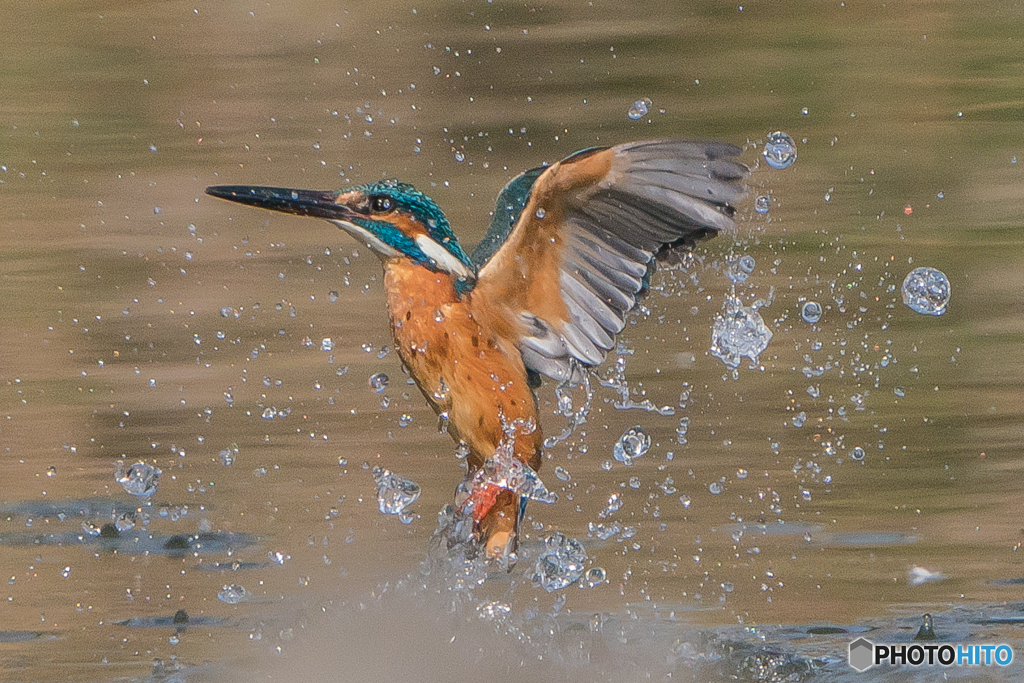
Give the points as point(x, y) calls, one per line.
point(570, 249)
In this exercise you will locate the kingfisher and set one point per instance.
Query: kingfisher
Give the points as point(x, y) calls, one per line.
point(570, 248)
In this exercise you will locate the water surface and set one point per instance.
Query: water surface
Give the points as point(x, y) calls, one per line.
point(146, 321)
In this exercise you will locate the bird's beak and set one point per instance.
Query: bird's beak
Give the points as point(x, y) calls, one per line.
point(316, 203)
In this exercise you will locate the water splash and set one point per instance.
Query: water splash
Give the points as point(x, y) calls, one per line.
point(378, 382)
point(633, 444)
point(926, 291)
point(140, 480)
point(616, 379)
point(395, 493)
point(505, 471)
point(779, 150)
point(613, 506)
point(229, 455)
point(576, 417)
point(639, 109)
point(561, 564)
point(739, 331)
point(738, 269)
point(233, 594)
point(811, 312)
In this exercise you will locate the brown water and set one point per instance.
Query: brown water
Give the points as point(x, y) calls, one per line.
point(116, 269)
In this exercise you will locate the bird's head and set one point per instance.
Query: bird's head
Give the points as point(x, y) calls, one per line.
point(394, 219)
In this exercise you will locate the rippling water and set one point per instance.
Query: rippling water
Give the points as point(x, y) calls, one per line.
point(857, 472)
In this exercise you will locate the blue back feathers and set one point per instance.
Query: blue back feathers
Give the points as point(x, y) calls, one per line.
point(510, 205)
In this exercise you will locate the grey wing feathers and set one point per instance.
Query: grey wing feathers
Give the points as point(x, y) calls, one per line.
point(658, 194)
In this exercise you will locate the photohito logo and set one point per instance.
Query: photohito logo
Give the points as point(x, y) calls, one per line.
point(864, 654)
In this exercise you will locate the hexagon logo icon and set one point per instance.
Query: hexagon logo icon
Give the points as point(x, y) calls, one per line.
point(861, 654)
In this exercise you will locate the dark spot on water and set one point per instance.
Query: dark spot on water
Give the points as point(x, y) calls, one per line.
point(108, 530)
point(177, 542)
point(825, 630)
point(19, 636)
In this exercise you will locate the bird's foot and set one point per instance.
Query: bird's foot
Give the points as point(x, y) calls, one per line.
point(496, 512)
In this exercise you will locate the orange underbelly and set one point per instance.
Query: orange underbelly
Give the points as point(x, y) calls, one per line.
point(475, 379)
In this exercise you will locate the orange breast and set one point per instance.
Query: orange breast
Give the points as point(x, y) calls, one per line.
point(472, 375)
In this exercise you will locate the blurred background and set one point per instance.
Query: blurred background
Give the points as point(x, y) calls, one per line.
point(860, 471)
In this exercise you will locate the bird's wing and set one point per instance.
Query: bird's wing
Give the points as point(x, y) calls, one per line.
point(588, 231)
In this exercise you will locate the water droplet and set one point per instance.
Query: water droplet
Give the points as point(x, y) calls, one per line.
point(613, 506)
point(899, 391)
point(741, 473)
point(438, 316)
point(604, 531)
point(332, 296)
point(596, 576)
point(140, 480)
point(395, 493)
point(633, 443)
point(560, 564)
point(715, 488)
point(228, 455)
point(379, 382)
point(51, 471)
point(233, 594)
point(460, 156)
point(562, 474)
point(404, 420)
point(799, 419)
point(779, 150)
point(739, 269)
point(926, 290)
point(811, 311)
point(762, 204)
point(541, 213)
point(682, 429)
point(639, 109)
point(326, 344)
point(857, 454)
point(493, 609)
point(126, 521)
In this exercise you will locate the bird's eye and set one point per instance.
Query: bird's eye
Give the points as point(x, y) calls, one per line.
point(381, 203)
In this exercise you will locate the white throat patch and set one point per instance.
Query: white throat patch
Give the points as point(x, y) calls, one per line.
point(367, 238)
point(443, 258)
